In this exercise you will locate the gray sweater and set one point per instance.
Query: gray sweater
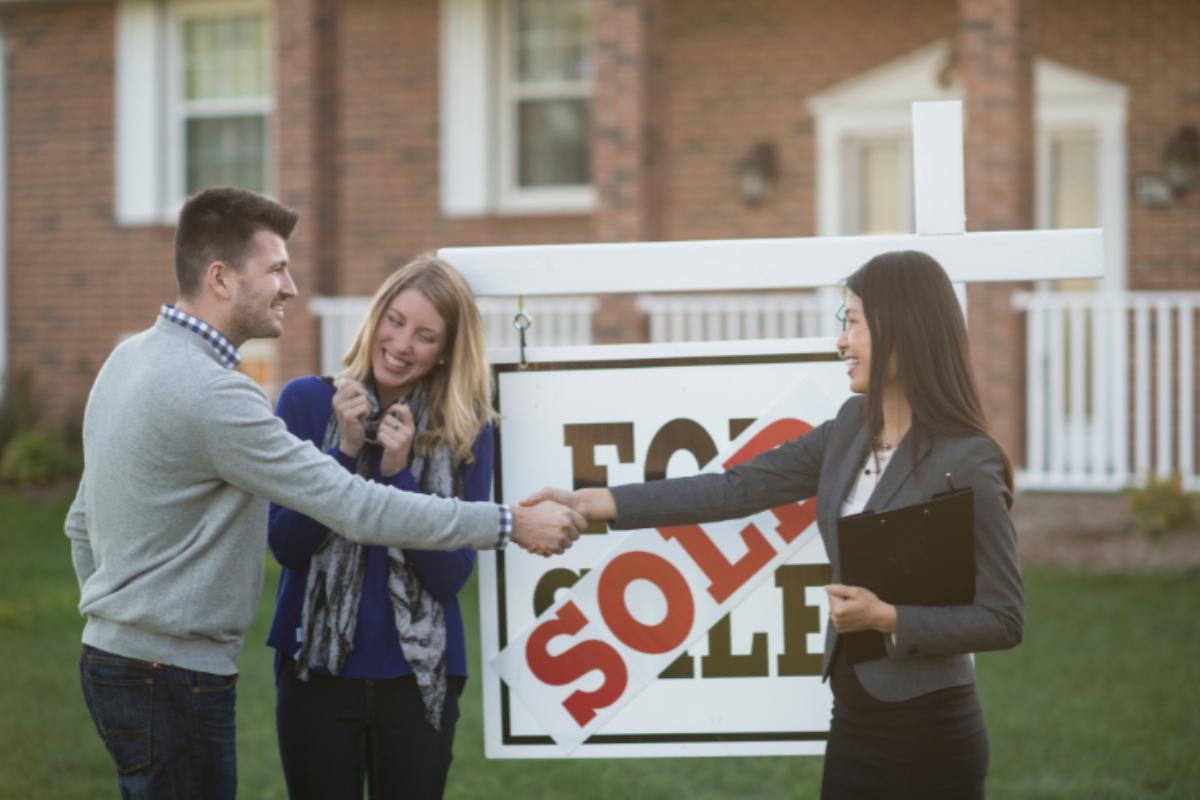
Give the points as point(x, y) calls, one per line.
point(168, 529)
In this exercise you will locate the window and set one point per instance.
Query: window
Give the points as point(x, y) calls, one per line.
point(862, 123)
point(194, 102)
point(545, 102)
point(1071, 190)
point(516, 106)
point(879, 198)
point(222, 102)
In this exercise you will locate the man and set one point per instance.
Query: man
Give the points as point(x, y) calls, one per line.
point(168, 529)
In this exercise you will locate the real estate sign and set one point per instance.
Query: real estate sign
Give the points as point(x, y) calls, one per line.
point(693, 640)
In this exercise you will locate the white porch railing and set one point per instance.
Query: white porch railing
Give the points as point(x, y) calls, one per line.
point(556, 321)
point(696, 318)
point(1111, 388)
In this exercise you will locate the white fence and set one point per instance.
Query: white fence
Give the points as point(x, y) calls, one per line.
point(1111, 394)
point(1111, 388)
point(556, 321)
point(696, 318)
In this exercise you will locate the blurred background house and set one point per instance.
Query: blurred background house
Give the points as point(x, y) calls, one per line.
point(399, 126)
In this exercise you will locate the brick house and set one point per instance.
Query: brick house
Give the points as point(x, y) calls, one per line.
point(397, 127)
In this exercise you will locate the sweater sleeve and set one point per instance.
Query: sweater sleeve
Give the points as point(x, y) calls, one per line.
point(445, 574)
point(76, 528)
point(251, 448)
point(294, 537)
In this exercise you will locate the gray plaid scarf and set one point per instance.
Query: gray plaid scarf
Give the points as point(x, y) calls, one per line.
point(336, 571)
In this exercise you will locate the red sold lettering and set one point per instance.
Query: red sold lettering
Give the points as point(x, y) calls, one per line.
point(575, 662)
point(773, 435)
point(681, 610)
point(724, 577)
point(794, 518)
point(727, 577)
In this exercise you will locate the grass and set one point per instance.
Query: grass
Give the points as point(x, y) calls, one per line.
point(1099, 702)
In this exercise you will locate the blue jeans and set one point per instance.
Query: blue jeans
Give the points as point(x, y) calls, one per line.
point(170, 731)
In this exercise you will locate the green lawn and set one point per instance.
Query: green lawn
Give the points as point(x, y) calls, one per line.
point(1100, 701)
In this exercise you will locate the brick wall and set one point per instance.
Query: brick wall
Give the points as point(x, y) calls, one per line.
point(357, 134)
point(76, 280)
point(388, 151)
point(995, 61)
point(1153, 47)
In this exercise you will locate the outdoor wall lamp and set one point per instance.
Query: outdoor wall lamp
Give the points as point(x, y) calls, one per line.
point(1178, 173)
point(757, 172)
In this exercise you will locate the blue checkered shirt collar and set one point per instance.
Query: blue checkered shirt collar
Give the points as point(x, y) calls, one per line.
point(227, 354)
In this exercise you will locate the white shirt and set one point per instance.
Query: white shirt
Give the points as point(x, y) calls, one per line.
point(864, 484)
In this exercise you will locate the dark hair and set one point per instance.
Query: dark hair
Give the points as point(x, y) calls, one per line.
point(912, 312)
point(217, 224)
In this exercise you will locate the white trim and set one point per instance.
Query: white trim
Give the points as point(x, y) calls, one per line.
point(939, 196)
point(465, 107)
point(138, 113)
point(766, 263)
point(511, 198)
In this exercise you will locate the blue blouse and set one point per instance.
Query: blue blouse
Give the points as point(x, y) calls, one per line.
point(305, 406)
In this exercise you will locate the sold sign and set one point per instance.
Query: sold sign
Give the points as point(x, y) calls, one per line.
point(619, 626)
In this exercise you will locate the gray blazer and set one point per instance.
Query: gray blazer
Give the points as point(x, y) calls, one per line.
point(932, 643)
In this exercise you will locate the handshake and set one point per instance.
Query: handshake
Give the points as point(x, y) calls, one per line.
point(548, 521)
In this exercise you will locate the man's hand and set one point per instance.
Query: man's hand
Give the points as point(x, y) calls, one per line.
point(396, 432)
point(547, 528)
point(591, 503)
point(853, 608)
point(351, 407)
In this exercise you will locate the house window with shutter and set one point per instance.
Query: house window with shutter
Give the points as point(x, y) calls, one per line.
point(516, 107)
point(194, 103)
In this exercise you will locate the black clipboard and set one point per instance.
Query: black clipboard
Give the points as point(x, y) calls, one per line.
point(918, 555)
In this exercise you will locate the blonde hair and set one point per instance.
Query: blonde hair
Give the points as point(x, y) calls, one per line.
point(460, 390)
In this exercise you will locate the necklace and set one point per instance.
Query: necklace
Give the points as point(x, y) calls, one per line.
point(875, 455)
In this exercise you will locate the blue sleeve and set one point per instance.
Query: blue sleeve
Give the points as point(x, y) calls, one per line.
point(304, 406)
point(444, 574)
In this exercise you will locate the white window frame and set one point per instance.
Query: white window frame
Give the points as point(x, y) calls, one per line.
point(510, 197)
point(178, 110)
point(850, 218)
point(149, 135)
point(877, 103)
point(1101, 113)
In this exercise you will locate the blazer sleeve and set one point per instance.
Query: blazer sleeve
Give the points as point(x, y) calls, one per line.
point(785, 474)
point(996, 620)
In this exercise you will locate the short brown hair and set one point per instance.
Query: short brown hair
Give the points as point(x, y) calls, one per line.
point(217, 224)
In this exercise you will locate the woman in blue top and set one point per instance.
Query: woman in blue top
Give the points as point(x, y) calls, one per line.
point(370, 654)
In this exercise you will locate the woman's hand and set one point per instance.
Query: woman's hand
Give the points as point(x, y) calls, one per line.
point(351, 407)
point(593, 504)
point(396, 432)
point(853, 608)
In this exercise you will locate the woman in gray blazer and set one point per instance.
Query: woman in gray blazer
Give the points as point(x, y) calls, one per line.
point(908, 724)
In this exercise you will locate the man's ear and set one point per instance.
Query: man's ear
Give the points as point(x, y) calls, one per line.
point(219, 279)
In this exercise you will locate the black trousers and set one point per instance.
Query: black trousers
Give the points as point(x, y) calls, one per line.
point(335, 734)
point(931, 747)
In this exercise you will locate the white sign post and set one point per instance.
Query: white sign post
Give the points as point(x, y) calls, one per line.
point(575, 643)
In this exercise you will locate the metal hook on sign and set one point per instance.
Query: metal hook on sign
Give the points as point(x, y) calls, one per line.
point(522, 322)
